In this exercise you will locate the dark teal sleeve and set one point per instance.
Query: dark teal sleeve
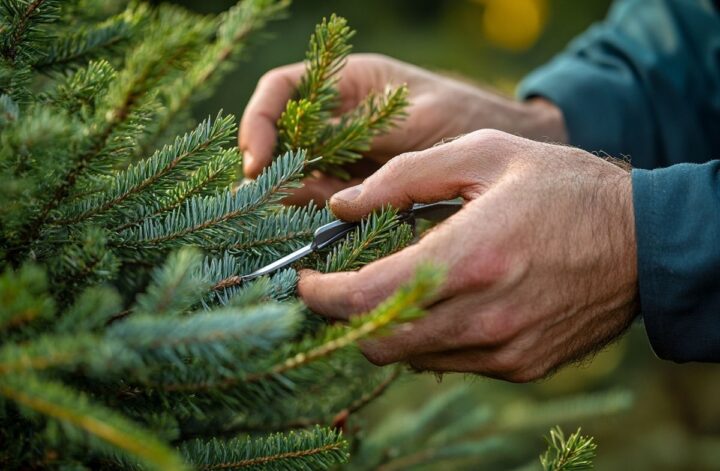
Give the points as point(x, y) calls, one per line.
point(644, 84)
point(677, 221)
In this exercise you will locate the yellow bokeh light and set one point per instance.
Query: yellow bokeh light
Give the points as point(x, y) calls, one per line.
point(513, 24)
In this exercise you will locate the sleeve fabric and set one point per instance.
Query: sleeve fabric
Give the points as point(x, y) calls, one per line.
point(677, 221)
point(645, 84)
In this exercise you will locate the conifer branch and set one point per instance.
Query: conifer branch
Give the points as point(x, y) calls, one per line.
point(326, 56)
point(318, 448)
point(175, 287)
point(126, 103)
point(234, 28)
point(306, 121)
point(109, 431)
point(402, 306)
point(64, 351)
point(346, 141)
point(212, 177)
point(163, 168)
point(24, 297)
point(370, 396)
point(379, 235)
point(279, 232)
point(574, 453)
point(213, 338)
point(200, 215)
point(24, 20)
point(89, 43)
point(80, 91)
point(93, 308)
point(82, 260)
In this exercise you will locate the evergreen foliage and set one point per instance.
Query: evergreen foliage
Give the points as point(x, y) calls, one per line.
point(307, 120)
point(127, 337)
point(471, 424)
point(573, 453)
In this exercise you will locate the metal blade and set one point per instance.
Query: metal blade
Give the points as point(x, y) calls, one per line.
point(279, 264)
point(332, 232)
point(436, 212)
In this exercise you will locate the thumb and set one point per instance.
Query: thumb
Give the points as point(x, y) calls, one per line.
point(454, 169)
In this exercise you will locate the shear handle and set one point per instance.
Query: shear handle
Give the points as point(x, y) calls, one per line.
point(330, 233)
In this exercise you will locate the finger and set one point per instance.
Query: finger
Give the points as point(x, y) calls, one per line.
point(480, 361)
point(409, 135)
point(258, 134)
point(318, 189)
point(464, 321)
point(340, 295)
point(505, 363)
point(464, 167)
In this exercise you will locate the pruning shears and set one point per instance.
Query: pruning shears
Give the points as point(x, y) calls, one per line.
point(331, 233)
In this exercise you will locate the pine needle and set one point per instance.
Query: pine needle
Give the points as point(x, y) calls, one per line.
point(574, 453)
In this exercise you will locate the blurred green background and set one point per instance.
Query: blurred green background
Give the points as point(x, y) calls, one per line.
point(674, 420)
point(491, 41)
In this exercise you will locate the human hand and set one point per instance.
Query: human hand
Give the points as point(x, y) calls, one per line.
point(440, 108)
point(541, 259)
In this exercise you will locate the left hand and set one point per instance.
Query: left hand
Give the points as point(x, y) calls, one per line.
point(541, 260)
point(440, 108)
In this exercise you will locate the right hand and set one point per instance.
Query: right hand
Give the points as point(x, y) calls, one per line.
point(541, 260)
point(440, 108)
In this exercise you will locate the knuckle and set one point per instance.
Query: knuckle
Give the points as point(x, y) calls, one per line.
point(498, 328)
point(376, 356)
point(525, 376)
point(485, 266)
point(275, 76)
point(508, 362)
point(395, 169)
point(401, 163)
point(269, 77)
point(362, 300)
point(492, 137)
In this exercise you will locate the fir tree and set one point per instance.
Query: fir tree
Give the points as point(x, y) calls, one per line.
point(127, 337)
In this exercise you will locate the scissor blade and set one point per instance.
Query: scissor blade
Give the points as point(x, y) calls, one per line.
point(436, 212)
point(279, 264)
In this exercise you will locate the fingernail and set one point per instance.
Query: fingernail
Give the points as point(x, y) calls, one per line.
point(247, 158)
point(348, 194)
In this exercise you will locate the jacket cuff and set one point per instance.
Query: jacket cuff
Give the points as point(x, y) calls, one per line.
point(677, 224)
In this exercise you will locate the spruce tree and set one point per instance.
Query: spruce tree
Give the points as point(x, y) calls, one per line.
point(128, 338)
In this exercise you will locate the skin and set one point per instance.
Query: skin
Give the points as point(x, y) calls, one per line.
point(541, 259)
point(440, 108)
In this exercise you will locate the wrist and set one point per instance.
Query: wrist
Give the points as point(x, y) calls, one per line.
point(623, 249)
point(536, 118)
point(542, 120)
